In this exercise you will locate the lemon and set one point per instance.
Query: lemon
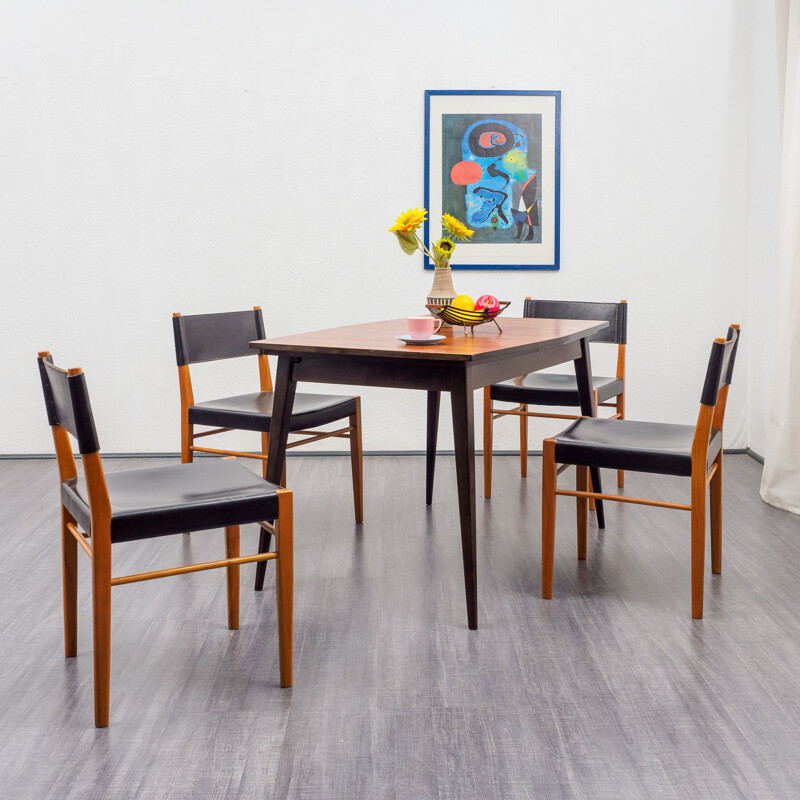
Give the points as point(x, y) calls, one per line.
point(463, 302)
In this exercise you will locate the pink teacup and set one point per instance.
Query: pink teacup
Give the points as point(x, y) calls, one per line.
point(423, 327)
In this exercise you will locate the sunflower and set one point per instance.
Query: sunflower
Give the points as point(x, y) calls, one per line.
point(442, 251)
point(455, 227)
point(445, 247)
point(410, 221)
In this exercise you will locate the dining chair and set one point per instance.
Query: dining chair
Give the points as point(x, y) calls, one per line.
point(99, 510)
point(555, 389)
point(656, 447)
point(213, 337)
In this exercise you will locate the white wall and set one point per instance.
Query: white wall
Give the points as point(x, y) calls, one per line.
point(195, 157)
point(763, 200)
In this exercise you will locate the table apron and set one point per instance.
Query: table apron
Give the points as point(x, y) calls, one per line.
point(485, 373)
point(394, 373)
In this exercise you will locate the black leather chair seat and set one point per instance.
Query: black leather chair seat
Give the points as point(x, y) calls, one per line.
point(549, 389)
point(158, 501)
point(253, 412)
point(638, 446)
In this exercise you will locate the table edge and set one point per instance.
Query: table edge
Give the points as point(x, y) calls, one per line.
point(426, 353)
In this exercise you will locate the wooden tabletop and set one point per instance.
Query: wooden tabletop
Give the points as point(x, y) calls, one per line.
point(378, 339)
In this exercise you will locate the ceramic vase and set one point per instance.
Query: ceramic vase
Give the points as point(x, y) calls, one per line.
point(442, 291)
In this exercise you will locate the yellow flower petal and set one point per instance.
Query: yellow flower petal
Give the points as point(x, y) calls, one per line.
point(455, 227)
point(409, 221)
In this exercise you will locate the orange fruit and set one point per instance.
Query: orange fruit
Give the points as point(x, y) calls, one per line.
point(464, 302)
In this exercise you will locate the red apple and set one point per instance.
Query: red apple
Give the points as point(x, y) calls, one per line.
point(489, 302)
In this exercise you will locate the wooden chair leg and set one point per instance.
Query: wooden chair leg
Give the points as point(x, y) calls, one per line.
point(101, 617)
point(698, 541)
point(232, 551)
point(69, 568)
point(592, 506)
point(488, 441)
point(284, 582)
point(523, 442)
point(187, 433)
point(187, 454)
point(621, 412)
point(357, 462)
point(581, 483)
point(265, 537)
point(264, 452)
point(549, 477)
point(715, 503)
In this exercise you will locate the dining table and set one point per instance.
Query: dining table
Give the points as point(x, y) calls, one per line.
point(370, 354)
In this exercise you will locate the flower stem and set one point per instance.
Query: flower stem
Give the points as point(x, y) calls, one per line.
point(422, 246)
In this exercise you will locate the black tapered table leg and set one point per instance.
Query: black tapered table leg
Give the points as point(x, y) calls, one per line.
point(433, 431)
point(583, 375)
point(464, 439)
point(264, 542)
point(598, 504)
point(282, 403)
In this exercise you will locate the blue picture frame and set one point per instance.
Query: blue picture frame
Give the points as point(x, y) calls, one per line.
point(525, 237)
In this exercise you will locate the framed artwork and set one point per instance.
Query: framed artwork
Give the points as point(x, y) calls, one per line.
point(493, 161)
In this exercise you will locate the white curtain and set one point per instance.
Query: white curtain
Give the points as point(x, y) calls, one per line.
point(780, 483)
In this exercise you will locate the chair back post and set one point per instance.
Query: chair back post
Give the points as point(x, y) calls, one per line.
point(184, 375)
point(719, 409)
point(624, 340)
point(264, 374)
point(715, 395)
point(702, 436)
point(65, 458)
point(70, 413)
point(99, 503)
point(722, 395)
point(89, 446)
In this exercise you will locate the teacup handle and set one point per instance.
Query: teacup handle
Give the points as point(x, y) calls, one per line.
point(436, 329)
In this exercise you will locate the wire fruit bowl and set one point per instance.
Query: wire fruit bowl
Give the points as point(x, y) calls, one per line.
point(468, 319)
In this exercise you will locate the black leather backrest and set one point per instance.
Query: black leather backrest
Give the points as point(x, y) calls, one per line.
point(720, 367)
point(728, 374)
point(66, 399)
point(616, 314)
point(212, 337)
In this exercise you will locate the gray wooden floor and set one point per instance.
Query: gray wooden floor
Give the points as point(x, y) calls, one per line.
point(610, 690)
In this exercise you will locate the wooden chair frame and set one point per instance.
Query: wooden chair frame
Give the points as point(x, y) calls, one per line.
point(352, 432)
point(97, 547)
point(491, 413)
point(702, 478)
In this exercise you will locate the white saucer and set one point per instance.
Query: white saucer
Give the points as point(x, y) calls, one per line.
point(435, 339)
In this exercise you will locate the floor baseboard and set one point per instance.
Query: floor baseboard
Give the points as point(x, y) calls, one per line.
point(331, 453)
point(754, 455)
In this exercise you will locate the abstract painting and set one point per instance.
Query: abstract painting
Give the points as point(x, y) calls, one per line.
point(493, 161)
